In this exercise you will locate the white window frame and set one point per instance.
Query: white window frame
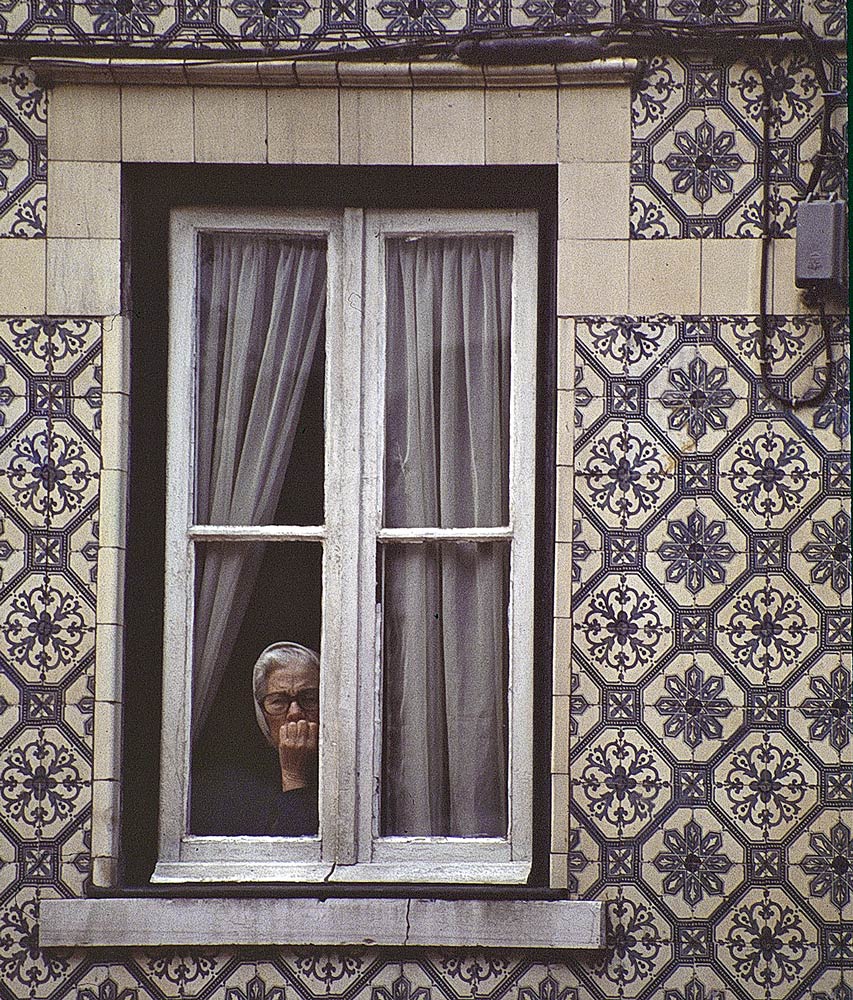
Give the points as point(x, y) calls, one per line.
point(348, 847)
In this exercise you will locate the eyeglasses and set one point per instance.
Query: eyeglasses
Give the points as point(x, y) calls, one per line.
point(279, 702)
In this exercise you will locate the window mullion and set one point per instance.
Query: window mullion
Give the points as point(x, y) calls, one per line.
point(373, 392)
point(341, 616)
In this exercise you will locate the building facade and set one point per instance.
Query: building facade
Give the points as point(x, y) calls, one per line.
point(697, 772)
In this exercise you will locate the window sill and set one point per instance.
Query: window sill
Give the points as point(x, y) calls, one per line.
point(139, 923)
point(467, 873)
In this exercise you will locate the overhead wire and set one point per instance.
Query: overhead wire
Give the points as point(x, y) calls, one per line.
point(817, 396)
point(631, 35)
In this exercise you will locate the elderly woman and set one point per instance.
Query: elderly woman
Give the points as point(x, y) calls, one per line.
point(286, 685)
point(286, 689)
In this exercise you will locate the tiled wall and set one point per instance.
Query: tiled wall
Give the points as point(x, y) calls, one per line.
point(704, 722)
point(288, 25)
point(23, 160)
point(710, 730)
point(697, 144)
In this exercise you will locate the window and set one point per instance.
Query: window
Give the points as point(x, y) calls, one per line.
point(351, 468)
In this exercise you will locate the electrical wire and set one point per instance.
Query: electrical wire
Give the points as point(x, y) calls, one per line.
point(632, 31)
point(631, 35)
point(816, 397)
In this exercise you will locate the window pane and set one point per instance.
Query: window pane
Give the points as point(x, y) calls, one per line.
point(445, 661)
point(447, 381)
point(250, 596)
point(261, 309)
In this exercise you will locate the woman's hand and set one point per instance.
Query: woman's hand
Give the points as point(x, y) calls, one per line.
point(298, 743)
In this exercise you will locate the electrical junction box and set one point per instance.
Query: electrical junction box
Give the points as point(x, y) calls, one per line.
point(821, 260)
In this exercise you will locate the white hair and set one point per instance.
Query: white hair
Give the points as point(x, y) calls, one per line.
point(277, 655)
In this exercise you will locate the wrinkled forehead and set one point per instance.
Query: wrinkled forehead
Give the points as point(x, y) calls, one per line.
point(290, 672)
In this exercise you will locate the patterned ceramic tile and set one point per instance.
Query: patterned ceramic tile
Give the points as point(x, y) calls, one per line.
point(821, 866)
point(82, 558)
point(113, 982)
point(696, 704)
point(45, 782)
point(766, 942)
point(710, 704)
point(826, 17)
point(553, 14)
point(622, 781)
point(692, 863)
point(46, 628)
point(50, 471)
point(718, 745)
point(835, 984)
point(171, 972)
point(328, 972)
point(23, 150)
point(74, 852)
point(625, 346)
point(702, 397)
point(585, 710)
point(78, 705)
point(234, 24)
point(767, 784)
point(690, 981)
point(697, 144)
point(622, 628)
point(25, 969)
point(639, 944)
point(584, 858)
point(697, 550)
point(768, 629)
point(822, 714)
point(694, 12)
point(466, 974)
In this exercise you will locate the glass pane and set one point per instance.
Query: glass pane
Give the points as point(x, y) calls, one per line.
point(255, 748)
point(447, 381)
point(445, 660)
point(261, 362)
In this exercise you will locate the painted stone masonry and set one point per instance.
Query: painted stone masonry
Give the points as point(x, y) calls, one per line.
point(702, 768)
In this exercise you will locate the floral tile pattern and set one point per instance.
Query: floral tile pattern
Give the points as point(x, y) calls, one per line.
point(697, 158)
point(49, 473)
point(712, 793)
point(298, 24)
point(711, 697)
point(711, 694)
point(23, 151)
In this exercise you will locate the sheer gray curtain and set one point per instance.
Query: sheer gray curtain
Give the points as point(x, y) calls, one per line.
point(261, 311)
point(445, 605)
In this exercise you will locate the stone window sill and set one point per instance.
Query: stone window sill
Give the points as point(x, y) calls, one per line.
point(134, 923)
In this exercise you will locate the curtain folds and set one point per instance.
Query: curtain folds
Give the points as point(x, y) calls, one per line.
point(261, 312)
point(445, 648)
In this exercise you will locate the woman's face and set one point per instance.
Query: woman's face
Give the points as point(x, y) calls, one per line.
point(293, 693)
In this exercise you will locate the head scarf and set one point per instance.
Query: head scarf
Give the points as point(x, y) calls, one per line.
point(276, 655)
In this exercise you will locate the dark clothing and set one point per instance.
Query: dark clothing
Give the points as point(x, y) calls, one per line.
point(233, 802)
